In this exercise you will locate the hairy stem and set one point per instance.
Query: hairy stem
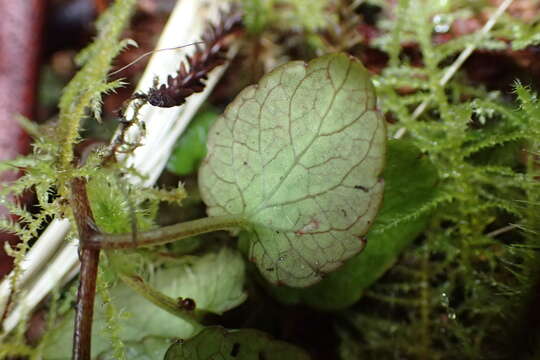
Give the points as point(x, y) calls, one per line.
point(82, 212)
point(165, 234)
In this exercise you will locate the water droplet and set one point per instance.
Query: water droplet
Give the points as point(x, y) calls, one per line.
point(442, 23)
point(444, 299)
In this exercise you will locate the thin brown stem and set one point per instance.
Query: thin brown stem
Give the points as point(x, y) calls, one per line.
point(82, 335)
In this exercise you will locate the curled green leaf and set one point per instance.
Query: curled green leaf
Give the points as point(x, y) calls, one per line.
point(299, 157)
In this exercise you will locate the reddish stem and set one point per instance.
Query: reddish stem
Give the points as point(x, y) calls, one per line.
point(82, 335)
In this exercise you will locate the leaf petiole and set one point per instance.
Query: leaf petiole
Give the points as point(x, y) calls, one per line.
point(165, 234)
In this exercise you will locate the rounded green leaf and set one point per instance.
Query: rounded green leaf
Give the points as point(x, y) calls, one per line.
point(245, 344)
point(410, 193)
point(299, 157)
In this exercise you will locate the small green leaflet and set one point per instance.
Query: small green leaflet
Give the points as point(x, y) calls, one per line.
point(299, 157)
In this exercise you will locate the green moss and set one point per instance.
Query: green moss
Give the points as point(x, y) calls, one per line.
point(449, 295)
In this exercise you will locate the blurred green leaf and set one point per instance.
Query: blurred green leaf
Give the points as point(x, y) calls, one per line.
point(149, 348)
point(50, 87)
point(245, 344)
point(257, 14)
point(215, 281)
point(139, 318)
point(191, 147)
